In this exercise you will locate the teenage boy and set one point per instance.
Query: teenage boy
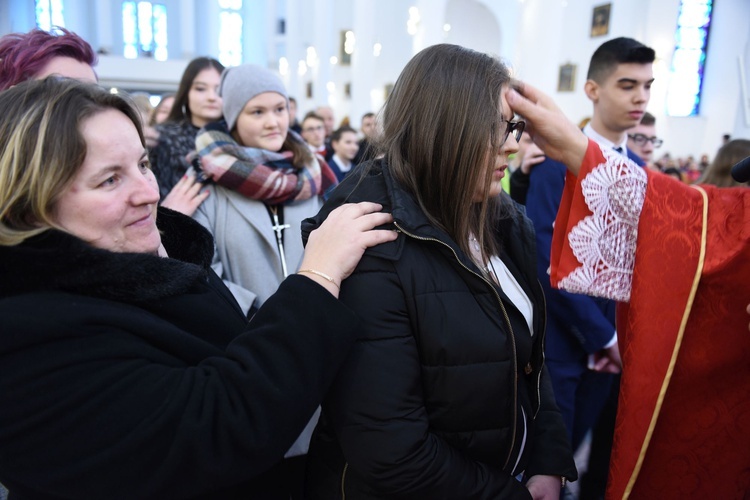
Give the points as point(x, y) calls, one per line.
point(314, 133)
point(369, 131)
point(345, 147)
point(580, 329)
point(642, 139)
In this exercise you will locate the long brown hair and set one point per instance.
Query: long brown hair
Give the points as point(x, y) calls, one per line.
point(719, 172)
point(442, 125)
point(180, 111)
point(43, 148)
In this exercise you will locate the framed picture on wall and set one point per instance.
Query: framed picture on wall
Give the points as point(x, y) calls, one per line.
point(600, 20)
point(345, 56)
point(566, 81)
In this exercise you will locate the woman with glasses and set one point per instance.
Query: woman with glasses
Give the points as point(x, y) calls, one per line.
point(446, 394)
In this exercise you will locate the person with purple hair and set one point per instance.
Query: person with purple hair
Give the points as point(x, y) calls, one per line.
point(38, 54)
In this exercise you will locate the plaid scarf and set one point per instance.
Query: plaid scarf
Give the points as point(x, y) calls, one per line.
point(259, 174)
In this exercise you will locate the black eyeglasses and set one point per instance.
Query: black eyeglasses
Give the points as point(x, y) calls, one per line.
point(313, 129)
point(515, 127)
point(641, 140)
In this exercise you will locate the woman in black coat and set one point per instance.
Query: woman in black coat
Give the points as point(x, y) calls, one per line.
point(127, 370)
point(446, 396)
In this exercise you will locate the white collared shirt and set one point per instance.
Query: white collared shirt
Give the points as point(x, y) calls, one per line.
point(603, 141)
point(343, 167)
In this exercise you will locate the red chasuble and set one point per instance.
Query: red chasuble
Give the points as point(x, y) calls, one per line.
point(678, 259)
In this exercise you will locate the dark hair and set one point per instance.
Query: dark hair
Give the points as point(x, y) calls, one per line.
point(313, 115)
point(719, 172)
point(180, 108)
point(23, 55)
point(336, 134)
point(369, 114)
point(292, 99)
point(440, 124)
point(648, 119)
point(617, 51)
point(674, 172)
point(43, 148)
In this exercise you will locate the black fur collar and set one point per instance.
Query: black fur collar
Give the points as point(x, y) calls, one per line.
point(57, 261)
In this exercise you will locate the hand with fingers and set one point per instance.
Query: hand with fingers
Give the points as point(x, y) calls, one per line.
point(186, 196)
point(607, 360)
point(558, 137)
point(334, 249)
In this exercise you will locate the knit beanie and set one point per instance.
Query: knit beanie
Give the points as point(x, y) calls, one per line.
point(241, 83)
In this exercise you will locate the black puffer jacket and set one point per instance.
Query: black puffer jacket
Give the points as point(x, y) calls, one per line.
point(430, 402)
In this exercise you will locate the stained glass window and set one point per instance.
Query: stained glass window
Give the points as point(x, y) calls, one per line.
point(230, 32)
point(144, 30)
point(689, 58)
point(49, 13)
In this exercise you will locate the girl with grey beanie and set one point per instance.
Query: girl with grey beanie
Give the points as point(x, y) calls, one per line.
point(265, 182)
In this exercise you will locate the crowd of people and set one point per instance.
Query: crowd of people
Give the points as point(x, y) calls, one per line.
point(212, 298)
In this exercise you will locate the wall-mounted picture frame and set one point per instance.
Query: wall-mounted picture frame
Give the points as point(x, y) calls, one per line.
point(345, 58)
point(600, 20)
point(309, 90)
point(566, 80)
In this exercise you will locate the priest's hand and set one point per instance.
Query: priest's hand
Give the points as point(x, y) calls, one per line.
point(333, 250)
point(551, 130)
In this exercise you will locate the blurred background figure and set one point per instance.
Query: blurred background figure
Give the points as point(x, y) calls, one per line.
point(718, 172)
point(161, 111)
point(345, 148)
point(642, 139)
point(528, 155)
point(326, 113)
point(143, 105)
point(314, 133)
point(369, 128)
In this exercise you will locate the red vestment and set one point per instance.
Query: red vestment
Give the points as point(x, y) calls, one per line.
point(683, 423)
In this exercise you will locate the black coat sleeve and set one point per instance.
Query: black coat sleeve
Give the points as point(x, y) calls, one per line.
point(519, 186)
point(98, 411)
point(551, 454)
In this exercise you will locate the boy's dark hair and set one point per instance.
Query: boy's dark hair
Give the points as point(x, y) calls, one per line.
point(621, 50)
point(648, 119)
point(336, 134)
point(313, 115)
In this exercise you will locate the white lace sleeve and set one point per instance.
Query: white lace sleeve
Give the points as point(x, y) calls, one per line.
point(604, 243)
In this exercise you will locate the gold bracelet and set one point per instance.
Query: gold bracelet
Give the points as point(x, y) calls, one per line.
point(322, 275)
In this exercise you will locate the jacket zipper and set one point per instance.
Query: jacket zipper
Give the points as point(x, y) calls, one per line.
point(343, 477)
point(510, 328)
point(544, 358)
